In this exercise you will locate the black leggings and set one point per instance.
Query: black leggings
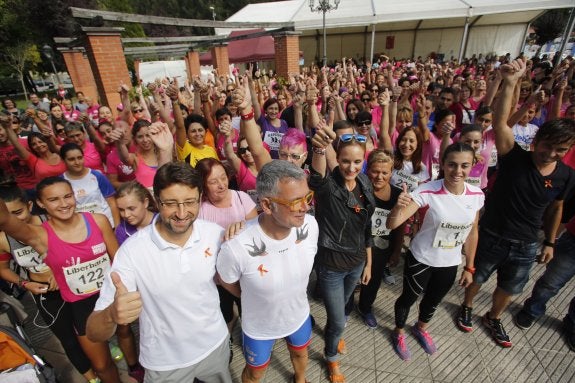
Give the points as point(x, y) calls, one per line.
point(368, 292)
point(58, 315)
point(434, 282)
point(227, 300)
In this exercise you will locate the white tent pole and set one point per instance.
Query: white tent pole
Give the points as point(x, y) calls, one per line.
point(372, 41)
point(464, 39)
point(566, 34)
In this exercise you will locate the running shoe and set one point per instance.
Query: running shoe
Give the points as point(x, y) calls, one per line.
point(368, 319)
point(523, 320)
point(464, 319)
point(497, 331)
point(424, 339)
point(400, 346)
point(388, 278)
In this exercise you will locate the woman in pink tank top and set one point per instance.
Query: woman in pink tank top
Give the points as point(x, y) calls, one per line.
point(79, 248)
point(154, 144)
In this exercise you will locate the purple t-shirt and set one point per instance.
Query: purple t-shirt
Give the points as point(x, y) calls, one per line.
point(272, 135)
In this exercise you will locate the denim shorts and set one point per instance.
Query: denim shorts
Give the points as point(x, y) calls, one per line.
point(258, 352)
point(512, 259)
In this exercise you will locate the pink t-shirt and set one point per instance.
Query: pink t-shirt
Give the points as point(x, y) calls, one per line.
point(221, 141)
point(145, 173)
point(246, 179)
point(92, 157)
point(430, 155)
point(13, 165)
point(242, 204)
point(42, 169)
point(79, 268)
point(115, 165)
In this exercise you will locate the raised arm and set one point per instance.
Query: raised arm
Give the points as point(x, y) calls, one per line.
point(163, 140)
point(510, 73)
point(384, 138)
point(13, 138)
point(250, 130)
point(32, 235)
point(320, 142)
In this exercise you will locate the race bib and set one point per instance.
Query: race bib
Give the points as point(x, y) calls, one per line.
point(29, 258)
point(475, 181)
point(434, 171)
point(378, 221)
point(449, 235)
point(273, 139)
point(493, 158)
point(87, 277)
point(402, 178)
point(91, 207)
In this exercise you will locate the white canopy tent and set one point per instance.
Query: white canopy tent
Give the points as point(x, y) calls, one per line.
point(406, 28)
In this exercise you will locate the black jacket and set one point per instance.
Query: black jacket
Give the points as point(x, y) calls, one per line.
point(342, 227)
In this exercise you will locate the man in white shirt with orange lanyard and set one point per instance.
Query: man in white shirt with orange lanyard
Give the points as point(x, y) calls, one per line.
point(164, 275)
point(268, 265)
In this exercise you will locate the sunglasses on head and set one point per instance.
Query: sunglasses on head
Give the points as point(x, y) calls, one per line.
point(243, 150)
point(350, 136)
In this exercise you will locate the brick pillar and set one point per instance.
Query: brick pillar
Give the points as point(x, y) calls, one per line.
point(80, 71)
point(137, 70)
point(286, 46)
point(106, 56)
point(220, 59)
point(193, 64)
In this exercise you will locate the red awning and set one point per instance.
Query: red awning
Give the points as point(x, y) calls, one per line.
point(244, 51)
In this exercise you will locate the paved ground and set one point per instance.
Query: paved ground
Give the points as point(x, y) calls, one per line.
point(539, 354)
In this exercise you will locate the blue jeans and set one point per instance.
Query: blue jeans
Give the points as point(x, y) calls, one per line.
point(337, 287)
point(559, 271)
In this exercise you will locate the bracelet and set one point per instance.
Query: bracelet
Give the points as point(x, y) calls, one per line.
point(318, 150)
point(470, 270)
point(549, 244)
point(22, 282)
point(248, 116)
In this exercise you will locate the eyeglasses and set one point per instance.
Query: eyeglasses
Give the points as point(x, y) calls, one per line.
point(350, 136)
point(137, 110)
point(243, 150)
point(172, 205)
point(60, 131)
point(293, 156)
point(375, 90)
point(295, 204)
point(362, 123)
point(366, 99)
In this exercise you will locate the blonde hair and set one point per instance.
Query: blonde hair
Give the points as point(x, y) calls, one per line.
point(379, 156)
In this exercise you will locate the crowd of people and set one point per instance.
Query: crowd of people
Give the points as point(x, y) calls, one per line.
point(193, 204)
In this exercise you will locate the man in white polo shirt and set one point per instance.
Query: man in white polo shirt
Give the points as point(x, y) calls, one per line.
point(163, 274)
point(268, 265)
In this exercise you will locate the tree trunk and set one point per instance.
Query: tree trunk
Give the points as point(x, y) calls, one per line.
point(21, 75)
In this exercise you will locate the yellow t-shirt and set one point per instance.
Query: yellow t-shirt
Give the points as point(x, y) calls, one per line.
point(194, 153)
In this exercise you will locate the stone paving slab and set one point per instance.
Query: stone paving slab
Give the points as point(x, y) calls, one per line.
point(539, 354)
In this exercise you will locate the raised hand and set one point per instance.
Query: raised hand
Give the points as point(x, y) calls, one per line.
point(161, 135)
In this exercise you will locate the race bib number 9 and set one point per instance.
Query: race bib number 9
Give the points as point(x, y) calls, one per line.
point(378, 221)
point(87, 277)
point(449, 235)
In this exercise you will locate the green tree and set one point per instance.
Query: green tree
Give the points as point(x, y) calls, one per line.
point(549, 26)
point(21, 58)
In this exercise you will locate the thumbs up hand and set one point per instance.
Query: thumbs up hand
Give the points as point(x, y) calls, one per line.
point(404, 198)
point(127, 305)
